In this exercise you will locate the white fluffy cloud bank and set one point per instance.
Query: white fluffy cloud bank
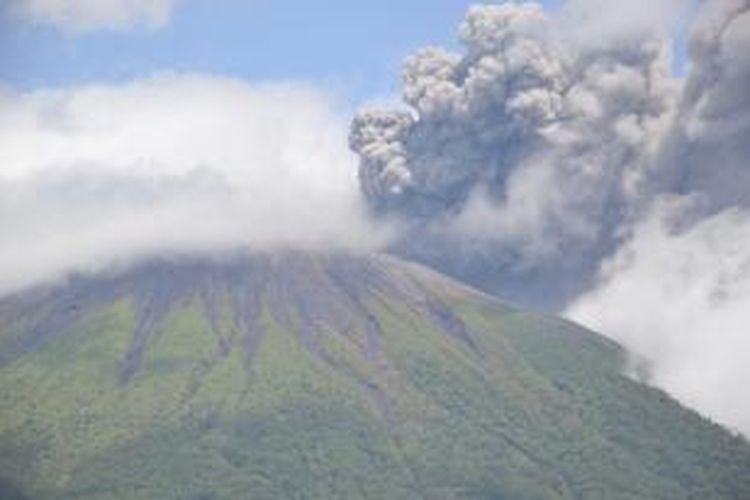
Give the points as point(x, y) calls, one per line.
point(680, 300)
point(79, 16)
point(104, 173)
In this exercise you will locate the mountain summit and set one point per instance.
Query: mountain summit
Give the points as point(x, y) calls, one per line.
point(296, 375)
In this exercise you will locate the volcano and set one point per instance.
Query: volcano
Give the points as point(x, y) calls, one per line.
point(306, 376)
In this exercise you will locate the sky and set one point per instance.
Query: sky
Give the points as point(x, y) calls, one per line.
point(354, 48)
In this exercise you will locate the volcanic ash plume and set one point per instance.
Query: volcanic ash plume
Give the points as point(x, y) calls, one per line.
point(528, 146)
point(557, 161)
point(678, 292)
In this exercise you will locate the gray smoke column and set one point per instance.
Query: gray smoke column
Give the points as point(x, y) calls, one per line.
point(530, 146)
point(677, 293)
point(709, 151)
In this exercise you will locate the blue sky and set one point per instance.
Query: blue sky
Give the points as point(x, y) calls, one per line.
point(353, 48)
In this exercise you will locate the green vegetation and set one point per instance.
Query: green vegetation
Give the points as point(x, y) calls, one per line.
point(530, 408)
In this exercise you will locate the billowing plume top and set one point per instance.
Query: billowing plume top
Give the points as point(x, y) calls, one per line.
point(528, 141)
point(505, 87)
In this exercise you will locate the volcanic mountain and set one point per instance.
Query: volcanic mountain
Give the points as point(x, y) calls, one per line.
point(306, 376)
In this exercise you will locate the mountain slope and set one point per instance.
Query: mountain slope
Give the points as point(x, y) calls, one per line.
point(308, 376)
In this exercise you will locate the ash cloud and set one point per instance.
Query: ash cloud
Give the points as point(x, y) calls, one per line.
point(677, 292)
point(526, 145)
point(709, 149)
point(557, 160)
point(105, 174)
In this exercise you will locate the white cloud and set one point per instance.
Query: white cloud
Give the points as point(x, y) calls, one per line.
point(95, 174)
point(681, 299)
point(79, 16)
